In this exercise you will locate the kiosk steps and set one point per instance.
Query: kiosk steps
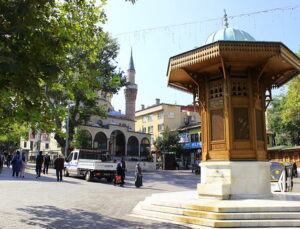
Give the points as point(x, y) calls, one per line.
point(188, 209)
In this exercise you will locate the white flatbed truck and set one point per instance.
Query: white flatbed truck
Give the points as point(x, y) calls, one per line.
point(89, 164)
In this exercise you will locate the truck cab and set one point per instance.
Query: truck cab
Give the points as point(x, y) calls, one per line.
point(90, 164)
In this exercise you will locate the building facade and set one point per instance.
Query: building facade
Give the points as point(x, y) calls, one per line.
point(190, 140)
point(154, 119)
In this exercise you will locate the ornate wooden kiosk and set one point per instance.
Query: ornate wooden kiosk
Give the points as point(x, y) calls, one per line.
point(231, 81)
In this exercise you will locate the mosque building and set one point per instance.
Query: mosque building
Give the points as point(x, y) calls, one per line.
point(115, 134)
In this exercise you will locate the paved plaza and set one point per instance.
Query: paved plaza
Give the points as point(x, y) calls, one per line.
point(75, 203)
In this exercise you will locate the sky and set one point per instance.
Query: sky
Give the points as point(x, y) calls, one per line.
point(159, 29)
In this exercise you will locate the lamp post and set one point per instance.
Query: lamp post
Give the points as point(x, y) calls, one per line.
point(67, 128)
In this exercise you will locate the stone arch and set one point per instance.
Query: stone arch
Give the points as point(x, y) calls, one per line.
point(133, 146)
point(117, 143)
point(145, 147)
point(100, 141)
point(85, 139)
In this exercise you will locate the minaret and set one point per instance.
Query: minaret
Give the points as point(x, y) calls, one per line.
point(130, 91)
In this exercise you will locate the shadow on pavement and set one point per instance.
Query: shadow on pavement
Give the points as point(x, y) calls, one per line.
point(53, 217)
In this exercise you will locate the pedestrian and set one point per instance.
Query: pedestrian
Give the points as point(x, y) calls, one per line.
point(197, 166)
point(46, 163)
point(59, 165)
point(23, 166)
point(39, 163)
point(8, 160)
point(121, 174)
point(138, 176)
point(1, 162)
point(295, 172)
point(123, 165)
point(16, 164)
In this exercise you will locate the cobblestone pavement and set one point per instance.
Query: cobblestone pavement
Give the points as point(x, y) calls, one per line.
point(75, 203)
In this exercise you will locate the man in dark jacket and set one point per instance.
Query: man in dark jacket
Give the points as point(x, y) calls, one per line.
point(46, 163)
point(59, 166)
point(39, 163)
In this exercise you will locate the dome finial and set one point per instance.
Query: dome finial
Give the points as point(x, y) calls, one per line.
point(225, 19)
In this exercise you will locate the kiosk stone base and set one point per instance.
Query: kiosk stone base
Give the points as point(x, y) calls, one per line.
point(190, 210)
point(235, 180)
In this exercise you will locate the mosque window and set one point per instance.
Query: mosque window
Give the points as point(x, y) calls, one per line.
point(216, 89)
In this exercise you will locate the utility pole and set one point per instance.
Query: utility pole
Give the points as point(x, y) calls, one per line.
point(67, 130)
point(68, 127)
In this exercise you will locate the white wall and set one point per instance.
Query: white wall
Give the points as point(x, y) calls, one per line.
point(146, 166)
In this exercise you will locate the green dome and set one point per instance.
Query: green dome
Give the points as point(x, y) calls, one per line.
point(229, 34)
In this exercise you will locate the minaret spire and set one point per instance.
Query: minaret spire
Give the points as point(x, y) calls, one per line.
point(130, 90)
point(131, 63)
point(225, 19)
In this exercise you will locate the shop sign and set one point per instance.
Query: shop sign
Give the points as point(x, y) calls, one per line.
point(191, 145)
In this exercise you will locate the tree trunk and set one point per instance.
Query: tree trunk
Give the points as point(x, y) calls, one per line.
point(61, 141)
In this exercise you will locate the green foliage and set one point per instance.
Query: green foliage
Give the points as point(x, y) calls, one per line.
point(82, 140)
point(11, 139)
point(284, 115)
point(91, 69)
point(53, 52)
point(275, 122)
point(32, 51)
point(168, 141)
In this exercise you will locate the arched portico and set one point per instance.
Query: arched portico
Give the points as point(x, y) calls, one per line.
point(100, 141)
point(132, 146)
point(117, 145)
point(145, 147)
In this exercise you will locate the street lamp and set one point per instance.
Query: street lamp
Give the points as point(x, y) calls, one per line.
point(70, 103)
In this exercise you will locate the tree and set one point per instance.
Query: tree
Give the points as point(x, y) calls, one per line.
point(91, 70)
point(33, 50)
point(291, 110)
point(168, 141)
point(82, 140)
point(284, 115)
point(53, 52)
point(9, 141)
point(275, 122)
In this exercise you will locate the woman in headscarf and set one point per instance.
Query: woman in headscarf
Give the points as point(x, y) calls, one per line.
point(138, 176)
point(121, 173)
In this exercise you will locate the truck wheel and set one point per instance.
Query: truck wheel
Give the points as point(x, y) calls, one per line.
point(109, 179)
point(88, 176)
point(66, 172)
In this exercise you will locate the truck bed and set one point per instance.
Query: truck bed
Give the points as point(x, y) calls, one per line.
point(96, 165)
